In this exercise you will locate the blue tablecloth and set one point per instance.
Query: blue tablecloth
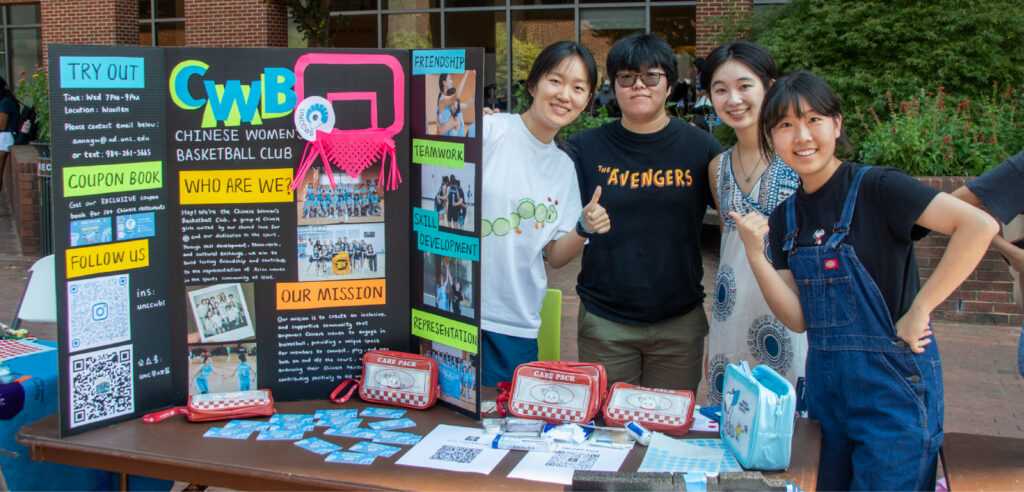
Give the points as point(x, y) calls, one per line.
point(40, 400)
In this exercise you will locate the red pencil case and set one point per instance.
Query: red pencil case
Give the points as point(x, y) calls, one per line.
point(662, 410)
point(554, 391)
point(394, 378)
point(220, 406)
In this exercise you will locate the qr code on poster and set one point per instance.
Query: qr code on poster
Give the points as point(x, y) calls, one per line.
point(101, 385)
point(99, 312)
point(455, 454)
point(575, 460)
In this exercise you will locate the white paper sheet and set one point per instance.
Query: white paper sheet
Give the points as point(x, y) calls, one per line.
point(558, 466)
point(452, 448)
point(702, 423)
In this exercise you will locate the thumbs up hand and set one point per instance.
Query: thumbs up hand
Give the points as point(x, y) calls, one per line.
point(595, 217)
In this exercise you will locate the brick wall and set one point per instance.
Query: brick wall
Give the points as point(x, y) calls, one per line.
point(986, 296)
point(711, 11)
point(241, 23)
point(101, 22)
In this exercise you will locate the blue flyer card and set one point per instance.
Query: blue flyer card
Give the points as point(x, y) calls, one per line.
point(392, 424)
point(345, 413)
point(280, 435)
point(338, 422)
point(389, 437)
point(134, 226)
point(91, 231)
point(291, 418)
point(294, 426)
point(317, 445)
point(385, 413)
point(351, 458)
point(351, 432)
point(226, 433)
point(255, 425)
point(374, 448)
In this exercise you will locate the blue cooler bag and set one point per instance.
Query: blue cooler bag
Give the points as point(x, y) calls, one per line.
point(758, 408)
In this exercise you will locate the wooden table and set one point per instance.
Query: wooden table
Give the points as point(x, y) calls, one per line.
point(175, 449)
point(984, 462)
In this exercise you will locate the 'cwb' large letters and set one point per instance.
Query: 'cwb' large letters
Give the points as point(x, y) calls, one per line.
point(231, 102)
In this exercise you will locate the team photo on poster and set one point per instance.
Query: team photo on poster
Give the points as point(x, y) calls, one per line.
point(341, 251)
point(449, 192)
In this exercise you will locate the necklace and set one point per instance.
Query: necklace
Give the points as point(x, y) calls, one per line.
point(757, 165)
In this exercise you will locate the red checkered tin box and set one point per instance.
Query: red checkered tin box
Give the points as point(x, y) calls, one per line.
point(668, 411)
point(395, 378)
point(557, 392)
point(221, 406)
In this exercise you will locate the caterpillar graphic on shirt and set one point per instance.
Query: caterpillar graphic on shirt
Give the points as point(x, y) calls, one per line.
point(539, 211)
point(659, 178)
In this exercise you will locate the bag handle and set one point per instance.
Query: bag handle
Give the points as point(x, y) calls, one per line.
point(149, 418)
point(504, 394)
point(355, 383)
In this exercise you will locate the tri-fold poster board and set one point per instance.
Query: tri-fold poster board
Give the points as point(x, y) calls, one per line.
point(233, 219)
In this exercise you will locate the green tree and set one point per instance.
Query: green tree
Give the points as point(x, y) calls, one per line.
point(867, 49)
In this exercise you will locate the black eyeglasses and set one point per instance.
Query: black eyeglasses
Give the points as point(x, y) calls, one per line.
point(627, 80)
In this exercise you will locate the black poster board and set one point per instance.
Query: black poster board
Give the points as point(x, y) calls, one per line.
point(186, 261)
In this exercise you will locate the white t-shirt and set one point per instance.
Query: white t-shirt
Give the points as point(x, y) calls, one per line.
point(521, 176)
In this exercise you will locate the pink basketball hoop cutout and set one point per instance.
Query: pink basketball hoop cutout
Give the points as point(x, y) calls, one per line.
point(353, 151)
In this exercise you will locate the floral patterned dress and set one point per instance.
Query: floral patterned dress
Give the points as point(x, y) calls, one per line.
point(742, 327)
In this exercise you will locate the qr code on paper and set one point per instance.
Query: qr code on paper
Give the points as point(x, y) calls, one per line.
point(455, 454)
point(573, 459)
point(99, 312)
point(101, 385)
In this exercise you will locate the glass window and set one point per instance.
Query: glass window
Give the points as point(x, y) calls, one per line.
point(349, 5)
point(409, 4)
point(532, 31)
point(26, 49)
point(23, 14)
point(600, 28)
point(487, 26)
point(170, 9)
point(145, 34)
point(145, 9)
point(475, 3)
point(170, 33)
point(353, 31)
point(678, 26)
point(412, 31)
point(541, 2)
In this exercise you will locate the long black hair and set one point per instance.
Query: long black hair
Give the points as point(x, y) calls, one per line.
point(5, 90)
point(752, 55)
point(786, 95)
point(554, 55)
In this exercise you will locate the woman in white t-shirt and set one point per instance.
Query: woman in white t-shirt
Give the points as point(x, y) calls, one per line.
point(533, 210)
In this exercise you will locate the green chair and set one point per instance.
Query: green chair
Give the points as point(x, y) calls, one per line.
point(549, 338)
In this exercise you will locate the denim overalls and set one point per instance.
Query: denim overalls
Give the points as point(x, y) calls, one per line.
point(879, 404)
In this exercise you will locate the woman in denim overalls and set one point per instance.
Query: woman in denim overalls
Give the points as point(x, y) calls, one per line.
point(875, 385)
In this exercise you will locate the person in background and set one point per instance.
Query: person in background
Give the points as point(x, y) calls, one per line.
point(9, 112)
point(1000, 191)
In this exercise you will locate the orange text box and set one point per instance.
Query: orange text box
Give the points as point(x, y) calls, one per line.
point(339, 293)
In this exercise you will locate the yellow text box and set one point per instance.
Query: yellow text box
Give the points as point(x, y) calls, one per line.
point(447, 331)
point(339, 293)
point(235, 186)
point(112, 178)
point(107, 258)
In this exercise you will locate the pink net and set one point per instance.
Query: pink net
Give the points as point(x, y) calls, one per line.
point(352, 151)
